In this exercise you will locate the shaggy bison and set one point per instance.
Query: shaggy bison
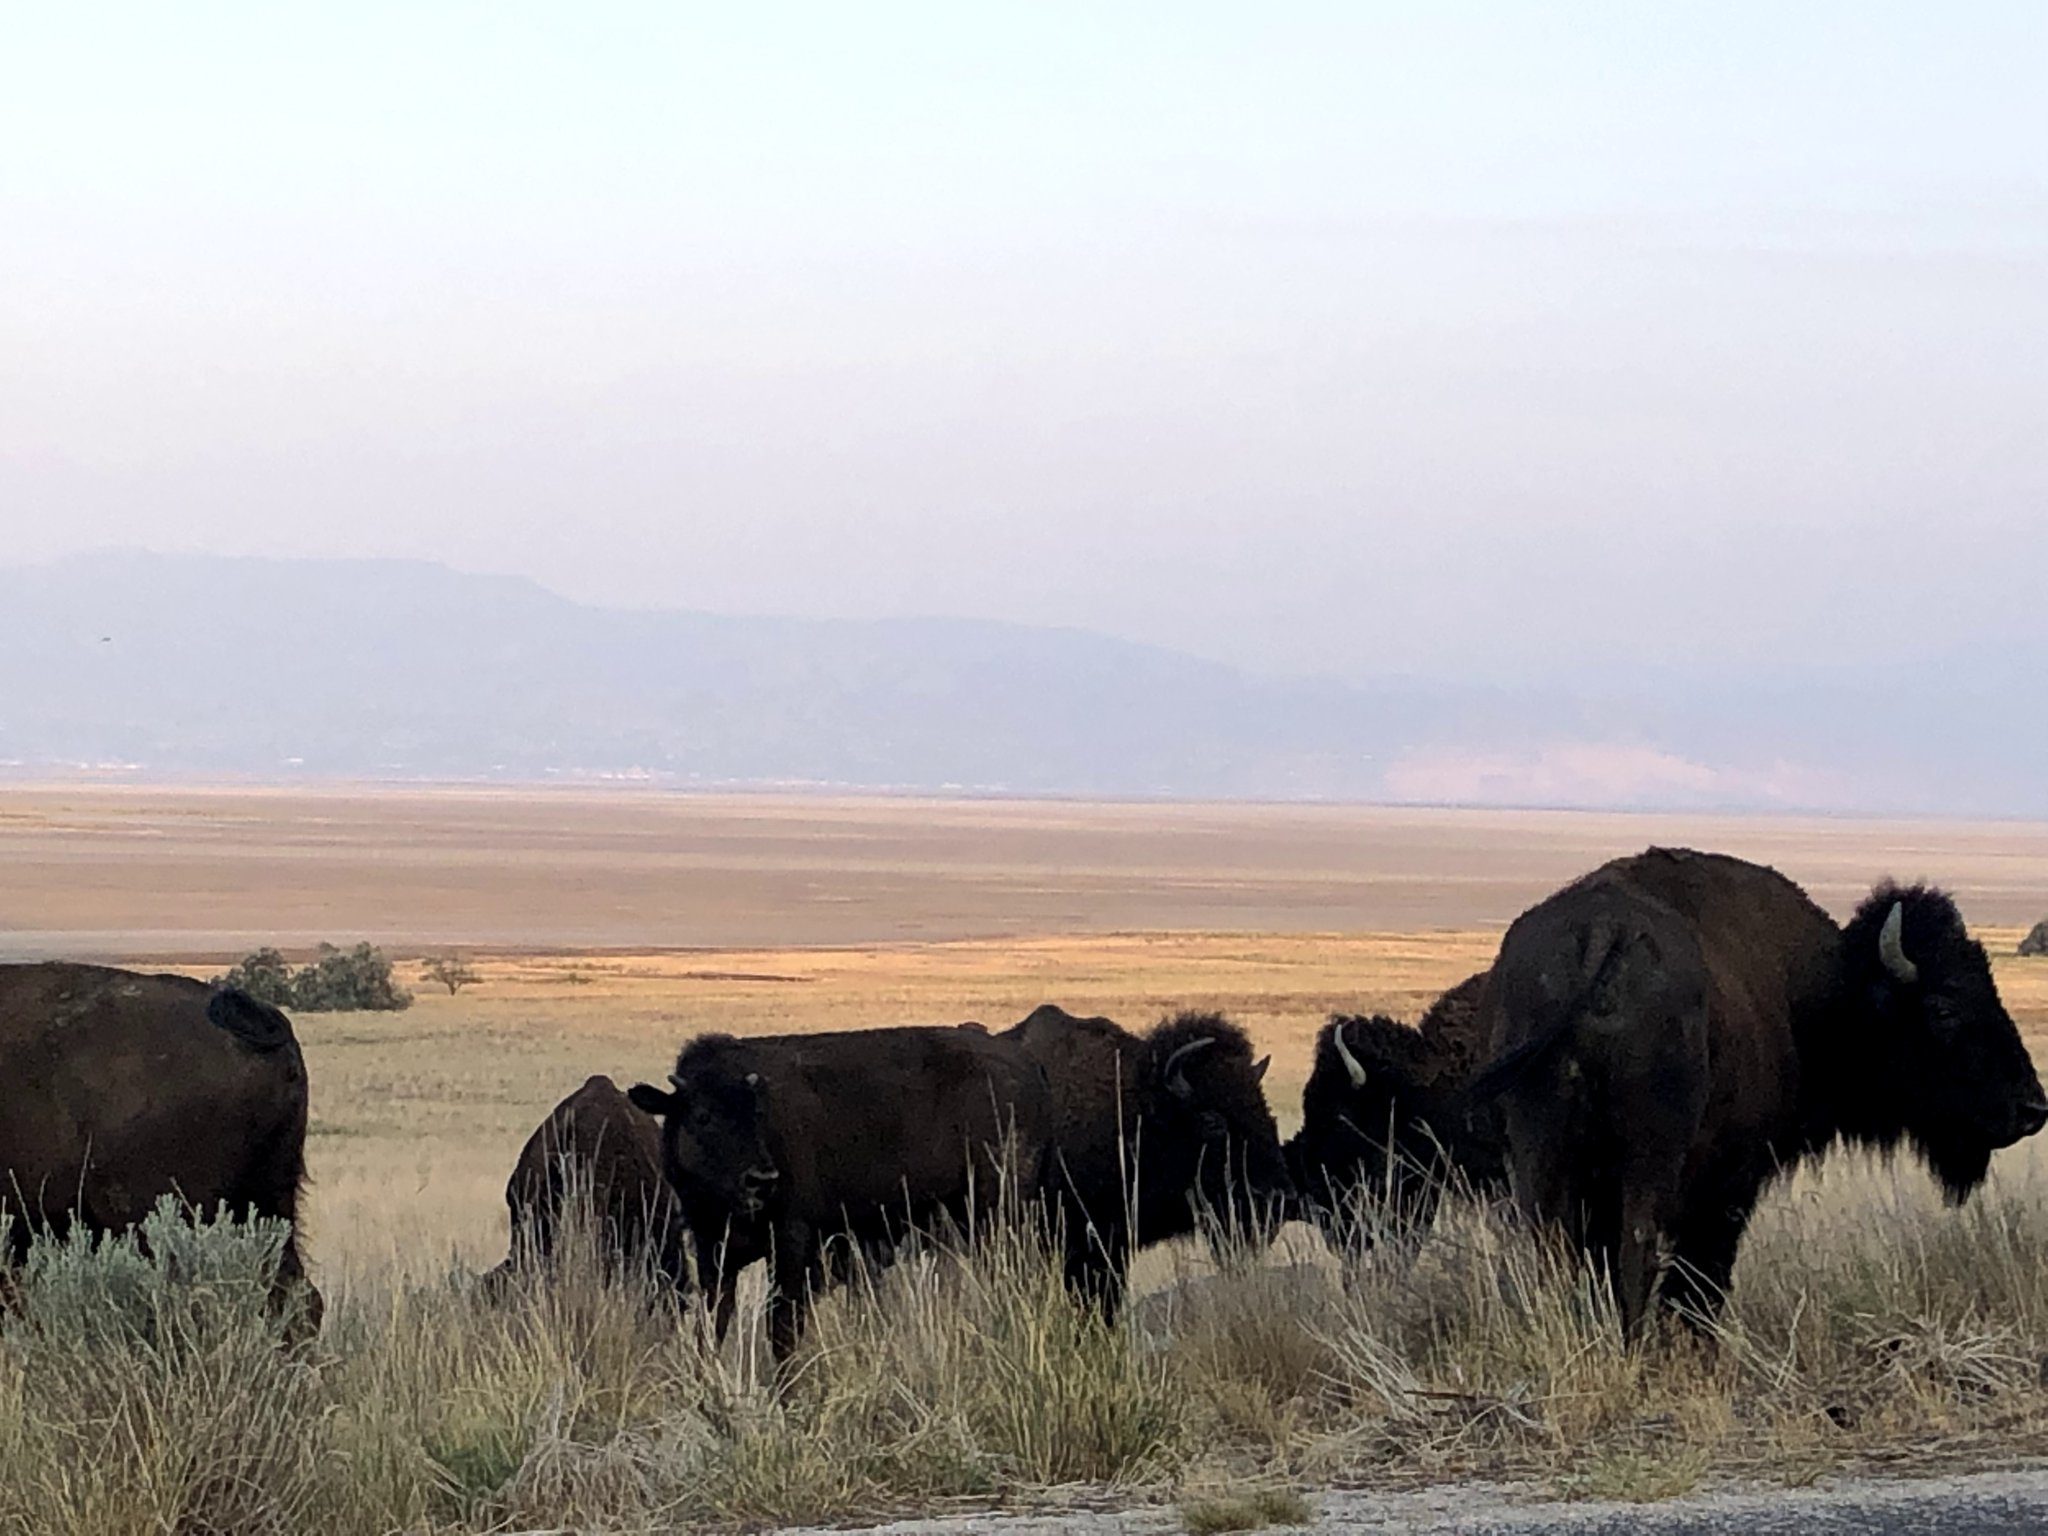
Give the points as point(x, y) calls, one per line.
point(120, 1088)
point(1386, 1121)
point(596, 1147)
point(785, 1143)
point(1677, 1028)
point(1148, 1131)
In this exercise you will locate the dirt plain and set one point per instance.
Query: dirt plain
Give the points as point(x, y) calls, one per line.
point(609, 925)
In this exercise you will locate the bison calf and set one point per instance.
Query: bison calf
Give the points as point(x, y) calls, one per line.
point(784, 1143)
point(118, 1088)
point(596, 1149)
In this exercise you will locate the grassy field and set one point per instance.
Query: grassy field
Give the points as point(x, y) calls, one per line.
point(1869, 1325)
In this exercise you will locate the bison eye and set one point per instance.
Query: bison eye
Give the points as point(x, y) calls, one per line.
point(1214, 1126)
point(1944, 1021)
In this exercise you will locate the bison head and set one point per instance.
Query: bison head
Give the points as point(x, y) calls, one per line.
point(714, 1125)
point(1210, 1121)
point(1368, 1143)
point(1961, 1083)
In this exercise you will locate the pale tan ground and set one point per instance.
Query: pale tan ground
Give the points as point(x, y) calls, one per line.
point(574, 905)
point(136, 871)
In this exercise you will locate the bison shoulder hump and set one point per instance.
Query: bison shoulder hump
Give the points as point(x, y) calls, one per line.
point(256, 1024)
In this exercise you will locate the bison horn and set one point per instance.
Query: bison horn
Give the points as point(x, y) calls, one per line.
point(1353, 1068)
point(1891, 945)
point(1176, 1078)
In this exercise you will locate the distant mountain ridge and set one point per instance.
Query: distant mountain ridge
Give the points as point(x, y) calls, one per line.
point(185, 665)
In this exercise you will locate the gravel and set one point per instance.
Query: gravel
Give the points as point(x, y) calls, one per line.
point(1981, 1504)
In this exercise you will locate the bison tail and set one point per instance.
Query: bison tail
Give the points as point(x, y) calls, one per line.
point(1596, 997)
point(253, 1023)
point(1500, 1074)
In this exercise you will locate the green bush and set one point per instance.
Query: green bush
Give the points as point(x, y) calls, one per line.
point(266, 976)
point(145, 1386)
point(337, 981)
point(346, 979)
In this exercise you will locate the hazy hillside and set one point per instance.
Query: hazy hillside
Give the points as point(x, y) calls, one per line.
point(279, 668)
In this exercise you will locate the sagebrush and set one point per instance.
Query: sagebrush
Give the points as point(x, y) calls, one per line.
point(144, 1388)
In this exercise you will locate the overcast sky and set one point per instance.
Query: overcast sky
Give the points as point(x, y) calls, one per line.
point(1517, 340)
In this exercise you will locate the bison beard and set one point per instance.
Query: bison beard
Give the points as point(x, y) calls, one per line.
point(122, 1088)
point(1677, 1029)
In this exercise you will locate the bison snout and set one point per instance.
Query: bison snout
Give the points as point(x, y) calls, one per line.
point(2029, 1118)
point(755, 1184)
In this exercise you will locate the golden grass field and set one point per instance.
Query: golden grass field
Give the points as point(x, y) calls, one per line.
point(609, 926)
point(1869, 1326)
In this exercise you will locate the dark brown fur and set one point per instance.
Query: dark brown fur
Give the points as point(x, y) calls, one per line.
point(1380, 1154)
point(1678, 1028)
point(596, 1146)
point(117, 1088)
point(788, 1142)
point(1136, 1161)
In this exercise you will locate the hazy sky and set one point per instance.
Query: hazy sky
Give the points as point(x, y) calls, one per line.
point(1349, 337)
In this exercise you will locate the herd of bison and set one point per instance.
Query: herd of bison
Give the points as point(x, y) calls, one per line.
point(1651, 1046)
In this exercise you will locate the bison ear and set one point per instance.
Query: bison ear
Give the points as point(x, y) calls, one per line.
point(1259, 1068)
point(651, 1100)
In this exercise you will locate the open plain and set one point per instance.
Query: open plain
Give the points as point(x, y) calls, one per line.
point(607, 925)
point(1871, 1327)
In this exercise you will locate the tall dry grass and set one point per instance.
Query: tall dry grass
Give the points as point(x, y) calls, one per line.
point(147, 1390)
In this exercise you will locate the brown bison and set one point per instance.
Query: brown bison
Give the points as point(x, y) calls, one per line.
point(1151, 1131)
point(787, 1144)
point(1386, 1121)
point(596, 1147)
point(1677, 1028)
point(118, 1088)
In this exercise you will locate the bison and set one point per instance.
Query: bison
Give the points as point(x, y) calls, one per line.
point(1676, 1029)
point(120, 1088)
point(1386, 1121)
point(782, 1144)
point(1149, 1131)
point(595, 1146)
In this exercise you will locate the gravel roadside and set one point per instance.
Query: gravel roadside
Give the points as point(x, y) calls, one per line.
point(1980, 1504)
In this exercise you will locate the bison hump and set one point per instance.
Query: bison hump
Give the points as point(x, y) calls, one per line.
point(255, 1024)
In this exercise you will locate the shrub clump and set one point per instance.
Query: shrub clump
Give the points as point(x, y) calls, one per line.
point(265, 975)
point(337, 980)
point(145, 1385)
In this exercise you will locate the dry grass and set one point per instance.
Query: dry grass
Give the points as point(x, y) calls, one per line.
point(1869, 1324)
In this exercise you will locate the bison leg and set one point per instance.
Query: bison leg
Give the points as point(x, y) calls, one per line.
point(1653, 1189)
point(307, 1308)
point(794, 1272)
point(718, 1273)
point(1707, 1242)
point(1642, 1253)
point(1095, 1265)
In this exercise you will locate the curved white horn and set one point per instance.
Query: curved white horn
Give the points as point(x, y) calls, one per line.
point(1352, 1066)
point(1176, 1079)
point(1891, 945)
